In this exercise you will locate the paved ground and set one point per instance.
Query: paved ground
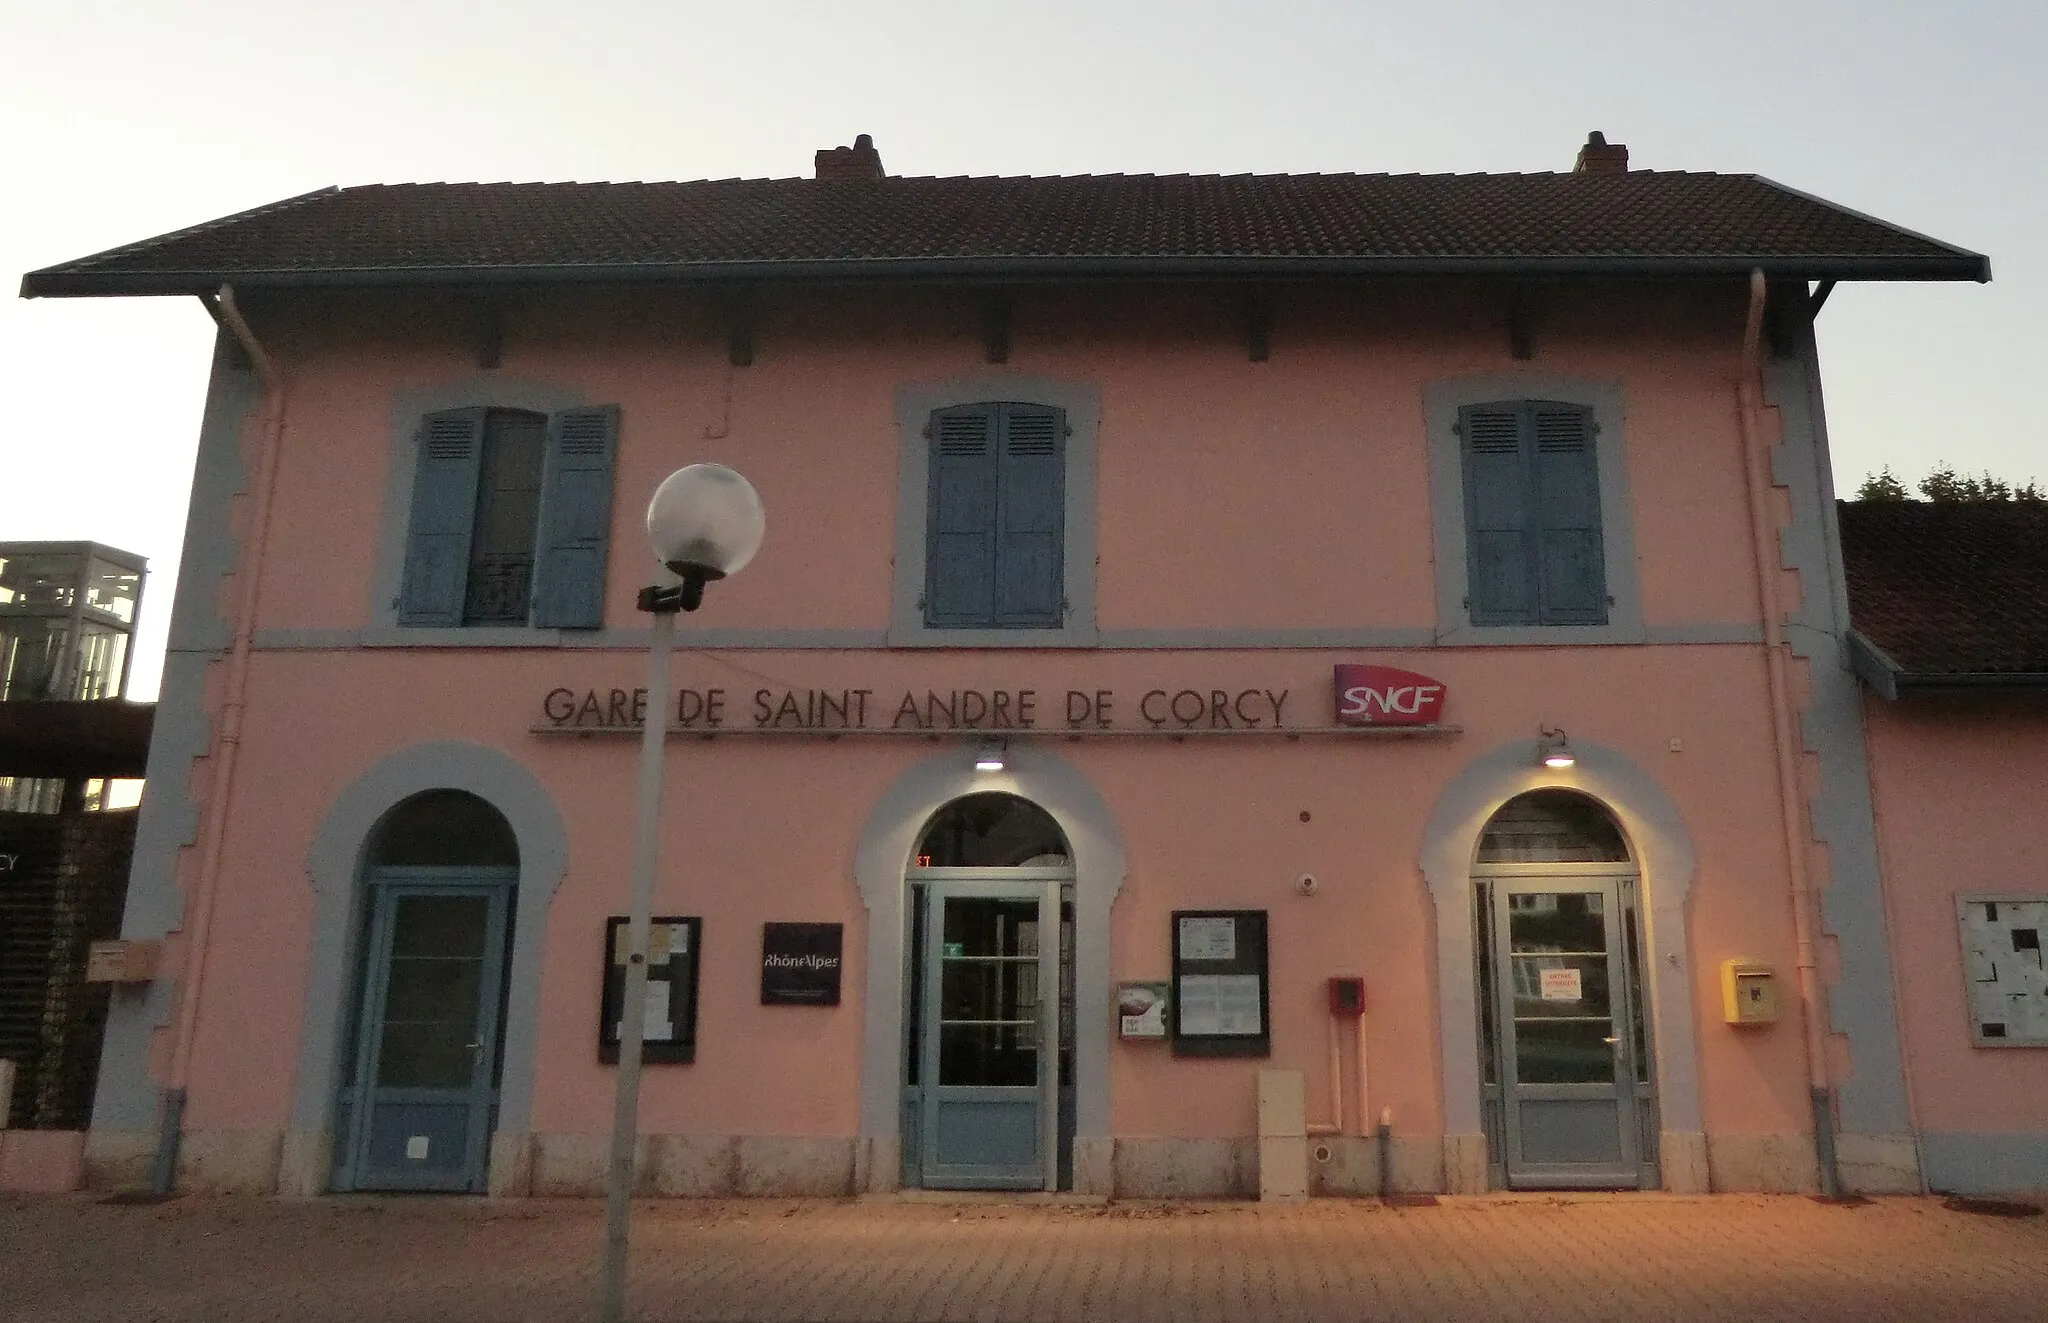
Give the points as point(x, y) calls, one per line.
point(1750, 1259)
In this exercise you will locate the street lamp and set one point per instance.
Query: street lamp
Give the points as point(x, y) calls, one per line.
point(704, 523)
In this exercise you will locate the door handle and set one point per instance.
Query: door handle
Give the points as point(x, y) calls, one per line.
point(1611, 1041)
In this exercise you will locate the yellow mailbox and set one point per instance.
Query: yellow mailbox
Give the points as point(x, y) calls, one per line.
point(1749, 992)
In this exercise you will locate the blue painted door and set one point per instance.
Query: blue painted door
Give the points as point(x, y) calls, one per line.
point(989, 1084)
point(1572, 1046)
point(422, 1092)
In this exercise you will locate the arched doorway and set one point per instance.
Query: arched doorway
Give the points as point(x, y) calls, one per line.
point(421, 1063)
point(988, 1087)
point(1566, 1059)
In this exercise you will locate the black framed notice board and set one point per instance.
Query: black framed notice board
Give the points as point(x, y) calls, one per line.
point(1219, 1004)
point(670, 1026)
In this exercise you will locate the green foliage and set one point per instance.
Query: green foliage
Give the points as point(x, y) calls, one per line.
point(1945, 485)
point(1883, 486)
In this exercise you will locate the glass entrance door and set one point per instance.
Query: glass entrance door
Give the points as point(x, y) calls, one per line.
point(989, 1086)
point(422, 1087)
point(1568, 1042)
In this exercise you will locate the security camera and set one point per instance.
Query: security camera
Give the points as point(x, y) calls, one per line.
point(1306, 884)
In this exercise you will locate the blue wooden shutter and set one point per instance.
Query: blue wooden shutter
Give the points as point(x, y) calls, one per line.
point(1572, 573)
point(1499, 533)
point(960, 525)
point(450, 456)
point(1030, 517)
point(575, 518)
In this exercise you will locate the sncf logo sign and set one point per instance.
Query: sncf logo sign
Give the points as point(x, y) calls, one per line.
point(1385, 696)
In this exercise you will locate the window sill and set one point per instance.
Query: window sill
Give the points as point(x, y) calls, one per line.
point(925, 636)
point(1523, 636)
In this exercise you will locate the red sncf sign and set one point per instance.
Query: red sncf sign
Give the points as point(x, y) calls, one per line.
point(1386, 696)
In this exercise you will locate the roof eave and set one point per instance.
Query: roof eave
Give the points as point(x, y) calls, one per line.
point(1972, 681)
point(61, 282)
point(1889, 679)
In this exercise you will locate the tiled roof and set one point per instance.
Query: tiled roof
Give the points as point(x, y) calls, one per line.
point(1647, 221)
point(1949, 592)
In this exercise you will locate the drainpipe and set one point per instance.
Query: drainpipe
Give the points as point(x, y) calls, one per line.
point(199, 925)
point(1756, 468)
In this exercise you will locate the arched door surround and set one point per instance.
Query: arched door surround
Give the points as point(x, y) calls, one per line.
point(1566, 1052)
point(1661, 848)
point(988, 1063)
point(337, 865)
point(882, 862)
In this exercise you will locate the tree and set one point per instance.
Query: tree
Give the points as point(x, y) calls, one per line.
point(1946, 486)
point(1882, 486)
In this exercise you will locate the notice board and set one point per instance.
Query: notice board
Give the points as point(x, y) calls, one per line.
point(670, 1023)
point(1219, 1006)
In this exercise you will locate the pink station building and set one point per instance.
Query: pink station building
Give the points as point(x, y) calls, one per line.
point(1253, 685)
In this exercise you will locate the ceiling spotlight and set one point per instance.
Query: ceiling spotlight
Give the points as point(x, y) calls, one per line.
point(990, 759)
point(1555, 750)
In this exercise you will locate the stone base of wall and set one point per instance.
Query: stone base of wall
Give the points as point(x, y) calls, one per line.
point(2003, 1162)
point(1763, 1164)
point(878, 1165)
point(209, 1161)
point(1877, 1164)
point(1682, 1162)
point(229, 1161)
point(1464, 1164)
point(699, 1166)
point(1185, 1169)
point(305, 1163)
point(118, 1159)
point(1094, 1167)
point(1415, 1166)
point(296, 1164)
point(41, 1161)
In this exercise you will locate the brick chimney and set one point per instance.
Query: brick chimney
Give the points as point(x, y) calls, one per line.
point(860, 161)
point(1597, 157)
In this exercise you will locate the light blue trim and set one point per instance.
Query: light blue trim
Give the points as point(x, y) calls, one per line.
point(880, 863)
point(1998, 1163)
point(126, 1097)
point(1392, 636)
point(335, 864)
point(915, 403)
point(408, 407)
point(1659, 844)
point(841, 640)
point(494, 636)
point(1441, 401)
point(1705, 631)
point(1862, 1001)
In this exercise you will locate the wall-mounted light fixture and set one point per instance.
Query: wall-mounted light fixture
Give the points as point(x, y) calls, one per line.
point(990, 759)
point(1555, 750)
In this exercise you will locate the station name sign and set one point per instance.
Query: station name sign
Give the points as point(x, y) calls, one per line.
point(1363, 696)
point(927, 709)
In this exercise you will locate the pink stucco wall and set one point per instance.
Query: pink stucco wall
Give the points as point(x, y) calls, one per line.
point(1290, 493)
point(1961, 807)
point(1285, 494)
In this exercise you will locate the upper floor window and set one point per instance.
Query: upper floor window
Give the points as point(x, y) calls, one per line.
point(1533, 540)
point(995, 525)
point(511, 515)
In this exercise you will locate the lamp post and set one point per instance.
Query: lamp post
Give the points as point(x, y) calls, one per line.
point(704, 523)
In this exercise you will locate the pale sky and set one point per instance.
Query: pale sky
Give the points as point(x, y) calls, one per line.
point(123, 120)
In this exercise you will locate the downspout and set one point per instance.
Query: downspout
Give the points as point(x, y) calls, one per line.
point(199, 926)
point(1756, 468)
